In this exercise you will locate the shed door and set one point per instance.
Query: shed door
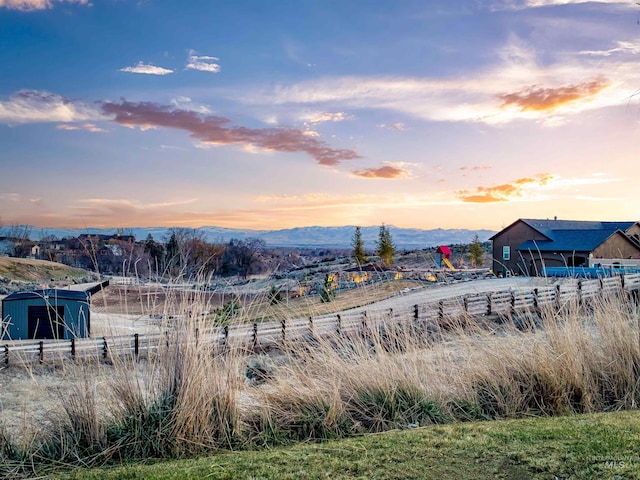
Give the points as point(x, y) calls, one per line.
point(46, 321)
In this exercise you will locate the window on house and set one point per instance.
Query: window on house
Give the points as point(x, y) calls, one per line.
point(506, 252)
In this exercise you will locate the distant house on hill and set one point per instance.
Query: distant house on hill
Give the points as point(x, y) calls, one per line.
point(527, 245)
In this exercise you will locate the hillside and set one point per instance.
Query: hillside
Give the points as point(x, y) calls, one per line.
point(28, 270)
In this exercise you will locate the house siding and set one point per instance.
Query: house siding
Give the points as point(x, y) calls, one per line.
point(513, 236)
point(634, 232)
point(616, 246)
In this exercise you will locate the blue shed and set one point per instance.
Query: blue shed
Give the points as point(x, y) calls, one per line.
point(46, 314)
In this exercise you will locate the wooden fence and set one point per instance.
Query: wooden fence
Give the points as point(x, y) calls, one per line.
point(266, 335)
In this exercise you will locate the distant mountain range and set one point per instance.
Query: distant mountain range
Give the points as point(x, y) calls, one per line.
point(323, 237)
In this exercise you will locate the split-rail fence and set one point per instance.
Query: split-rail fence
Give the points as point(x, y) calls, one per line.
point(265, 335)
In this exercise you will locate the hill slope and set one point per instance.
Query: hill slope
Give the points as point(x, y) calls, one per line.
point(28, 270)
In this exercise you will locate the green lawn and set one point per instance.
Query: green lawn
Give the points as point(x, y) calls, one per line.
point(602, 446)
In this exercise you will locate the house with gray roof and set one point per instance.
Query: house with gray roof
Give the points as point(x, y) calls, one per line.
point(528, 245)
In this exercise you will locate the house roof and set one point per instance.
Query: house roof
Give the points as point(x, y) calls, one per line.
point(50, 293)
point(548, 227)
point(444, 250)
point(579, 240)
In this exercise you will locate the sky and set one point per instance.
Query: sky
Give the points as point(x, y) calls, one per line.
point(261, 114)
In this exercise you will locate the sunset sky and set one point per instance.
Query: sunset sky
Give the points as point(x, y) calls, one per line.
point(289, 113)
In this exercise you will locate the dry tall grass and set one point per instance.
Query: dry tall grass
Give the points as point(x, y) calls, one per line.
point(193, 397)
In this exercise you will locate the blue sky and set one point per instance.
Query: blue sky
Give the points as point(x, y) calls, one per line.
point(260, 114)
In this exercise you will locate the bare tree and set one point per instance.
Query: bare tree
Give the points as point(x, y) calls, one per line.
point(243, 256)
point(188, 253)
point(20, 234)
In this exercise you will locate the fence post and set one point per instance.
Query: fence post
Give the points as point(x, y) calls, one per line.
point(513, 303)
point(465, 304)
point(283, 325)
point(105, 348)
point(580, 292)
point(558, 297)
point(197, 336)
point(136, 345)
point(536, 304)
point(6, 354)
point(311, 329)
point(41, 351)
point(440, 309)
point(255, 333)
point(489, 306)
point(601, 287)
point(73, 348)
point(339, 324)
point(416, 312)
point(225, 330)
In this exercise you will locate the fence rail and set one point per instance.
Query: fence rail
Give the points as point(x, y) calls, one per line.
point(270, 334)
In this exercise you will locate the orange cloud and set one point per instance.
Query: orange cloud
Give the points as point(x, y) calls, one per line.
point(474, 168)
point(218, 131)
point(504, 192)
point(387, 172)
point(538, 99)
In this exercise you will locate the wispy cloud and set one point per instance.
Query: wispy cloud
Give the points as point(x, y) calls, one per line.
point(386, 172)
point(147, 69)
point(203, 63)
point(185, 103)
point(504, 192)
point(524, 4)
point(214, 130)
point(399, 126)
point(622, 47)
point(106, 212)
point(32, 5)
point(90, 127)
point(326, 117)
point(12, 197)
point(35, 106)
point(520, 86)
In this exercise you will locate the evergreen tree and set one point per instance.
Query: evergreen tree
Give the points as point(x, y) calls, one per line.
point(386, 248)
point(359, 254)
point(155, 251)
point(476, 252)
point(172, 255)
point(274, 295)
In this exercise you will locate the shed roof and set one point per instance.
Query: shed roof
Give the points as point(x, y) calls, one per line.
point(444, 250)
point(48, 294)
